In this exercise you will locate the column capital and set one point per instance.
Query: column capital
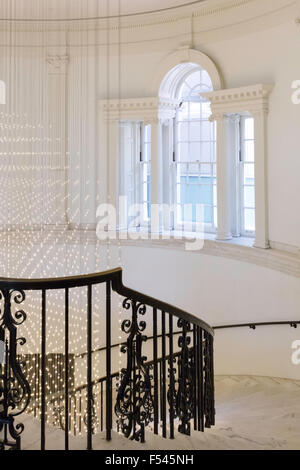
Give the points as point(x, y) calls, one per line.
point(234, 118)
point(57, 64)
point(216, 117)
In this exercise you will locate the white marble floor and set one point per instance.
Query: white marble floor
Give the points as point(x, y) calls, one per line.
point(252, 413)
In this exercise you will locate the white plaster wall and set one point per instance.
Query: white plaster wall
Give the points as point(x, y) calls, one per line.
point(263, 56)
point(262, 48)
point(255, 42)
point(223, 291)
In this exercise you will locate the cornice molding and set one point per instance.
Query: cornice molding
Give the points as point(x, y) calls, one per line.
point(254, 98)
point(204, 9)
point(146, 109)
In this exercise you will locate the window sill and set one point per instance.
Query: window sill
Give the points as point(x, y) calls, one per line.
point(239, 249)
point(178, 235)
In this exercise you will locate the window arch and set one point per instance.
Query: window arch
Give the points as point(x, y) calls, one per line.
point(194, 178)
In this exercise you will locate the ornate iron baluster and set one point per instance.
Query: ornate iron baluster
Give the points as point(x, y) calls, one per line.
point(134, 406)
point(209, 398)
point(185, 399)
point(14, 388)
point(94, 421)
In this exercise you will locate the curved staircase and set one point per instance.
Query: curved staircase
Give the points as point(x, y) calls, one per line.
point(166, 383)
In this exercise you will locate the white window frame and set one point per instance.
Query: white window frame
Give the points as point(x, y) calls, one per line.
point(241, 169)
point(253, 99)
point(142, 164)
point(137, 170)
point(178, 223)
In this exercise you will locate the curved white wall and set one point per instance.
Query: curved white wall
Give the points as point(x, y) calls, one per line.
point(251, 42)
point(223, 291)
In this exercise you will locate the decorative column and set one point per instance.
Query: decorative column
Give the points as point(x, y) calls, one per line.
point(234, 169)
point(261, 178)
point(156, 175)
point(169, 173)
point(223, 177)
point(57, 132)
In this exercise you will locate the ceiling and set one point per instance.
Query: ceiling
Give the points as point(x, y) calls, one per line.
point(71, 9)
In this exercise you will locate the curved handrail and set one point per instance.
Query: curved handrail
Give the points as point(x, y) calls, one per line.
point(119, 288)
point(59, 282)
point(192, 375)
point(254, 325)
point(113, 275)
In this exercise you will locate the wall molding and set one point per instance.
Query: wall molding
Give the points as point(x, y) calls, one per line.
point(138, 109)
point(282, 261)
point(135, 22)
point(249, 98)
point(283, 258)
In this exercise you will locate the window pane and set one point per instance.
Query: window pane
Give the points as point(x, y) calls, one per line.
point(183, 152)
point(215, 195)
point(249, 128)
point(183, 132)
point(249, 151)
point(195, 110)
point(206, 110)
point(148, 133)
point(147, 152)
point(207, 131)
point(182, 169)
point(194, 169)
point(193, 79)
point(208, 215)
point(207, 149)
point(250, 220)
point(249, 196)
point(215, 217)
point(194, 152)
point(195, 182)
point(206, 170)
point(206, 194)
point(249, 173)
point(195, 131)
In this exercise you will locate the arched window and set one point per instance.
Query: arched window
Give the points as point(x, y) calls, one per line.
point(194, 161)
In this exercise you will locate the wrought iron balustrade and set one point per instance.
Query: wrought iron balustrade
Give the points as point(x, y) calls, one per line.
point(172, 389)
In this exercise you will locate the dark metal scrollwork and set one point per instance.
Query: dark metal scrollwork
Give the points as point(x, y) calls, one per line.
point(94, 416)
point(185, 397)
point(134, 406)
point(14, 388)
point(172, 390)
point(209, 399)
